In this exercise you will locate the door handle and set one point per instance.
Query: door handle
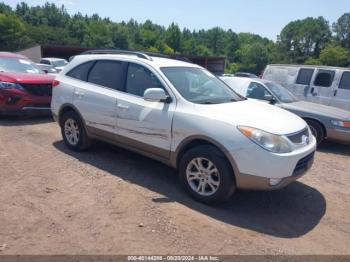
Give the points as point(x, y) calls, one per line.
point(312, 91)
point(123, 106)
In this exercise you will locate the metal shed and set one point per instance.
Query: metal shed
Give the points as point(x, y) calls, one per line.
point(215, 64)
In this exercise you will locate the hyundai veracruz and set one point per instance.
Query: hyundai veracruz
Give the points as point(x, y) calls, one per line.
point(182, 115)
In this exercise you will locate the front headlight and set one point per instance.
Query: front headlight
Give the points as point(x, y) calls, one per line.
point(340, 123)
point(271, 142)
point(9, 85)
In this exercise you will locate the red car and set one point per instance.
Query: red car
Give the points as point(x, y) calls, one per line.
point(24, 88)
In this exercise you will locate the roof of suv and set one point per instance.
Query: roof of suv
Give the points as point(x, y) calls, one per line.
point(155, 61)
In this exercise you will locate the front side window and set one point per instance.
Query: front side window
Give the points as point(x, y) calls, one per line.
point(281, 92)
point(45, 62)
point(19, 65)
point(304, 76)
point(139, 79)
point(257, 91)
point(199, 86)
point(107, 73)
point(345, 81)
point(324, 78)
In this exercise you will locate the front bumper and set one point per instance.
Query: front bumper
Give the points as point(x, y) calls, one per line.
point(245, 181)
point(15, 104)
point(256, 166)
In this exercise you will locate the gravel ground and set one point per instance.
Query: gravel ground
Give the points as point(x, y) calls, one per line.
point(111, 201)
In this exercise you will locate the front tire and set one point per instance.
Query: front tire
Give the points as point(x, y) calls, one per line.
point(316, 130)
point(73, 132)
point(207, 175)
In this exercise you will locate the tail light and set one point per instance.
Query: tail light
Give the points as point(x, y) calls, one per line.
point(55, 83)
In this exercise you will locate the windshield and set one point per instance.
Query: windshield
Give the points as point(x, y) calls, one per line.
point(281, 92)
point(59, 63)
point(18, 65)
point(199, 86)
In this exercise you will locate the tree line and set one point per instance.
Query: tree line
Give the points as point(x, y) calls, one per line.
point(307, 41)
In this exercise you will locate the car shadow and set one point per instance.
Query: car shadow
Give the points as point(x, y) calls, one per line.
point(334, 148)
point(24, 120)
point(287, 213)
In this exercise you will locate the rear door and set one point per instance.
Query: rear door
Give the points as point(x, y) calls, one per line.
point(321, 89)
point(96, 98)
point(341, 97)
point(143, 124)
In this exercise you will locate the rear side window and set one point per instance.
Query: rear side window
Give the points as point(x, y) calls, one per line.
point(304, 76)
point(345, 81)
point(108, 73)
point(324, 78)
point(139, 79)
point(81, 71)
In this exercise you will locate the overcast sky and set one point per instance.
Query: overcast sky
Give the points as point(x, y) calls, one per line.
point(264, 17)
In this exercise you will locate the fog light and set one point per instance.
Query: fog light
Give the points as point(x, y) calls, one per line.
point(275, 181)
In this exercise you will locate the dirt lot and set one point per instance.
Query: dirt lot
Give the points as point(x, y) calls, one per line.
point(110, 201)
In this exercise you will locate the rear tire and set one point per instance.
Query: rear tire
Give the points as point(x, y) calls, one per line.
point(207, 175)
point(73, 132)
point(317, 130)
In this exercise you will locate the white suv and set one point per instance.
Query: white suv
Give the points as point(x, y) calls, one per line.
point(181, 114)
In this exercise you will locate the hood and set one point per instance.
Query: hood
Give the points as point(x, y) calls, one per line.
point(26, 78)
point(318, 109)
point(255, 114)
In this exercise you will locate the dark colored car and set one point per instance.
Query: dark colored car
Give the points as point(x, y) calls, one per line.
point(24, 88)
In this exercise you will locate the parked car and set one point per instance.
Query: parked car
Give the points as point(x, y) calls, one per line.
point(319, 84)
point(182, 115)
point(325, 121)
point(57, 63)
point(48, 69)
point(245, 74)
point(24, 88)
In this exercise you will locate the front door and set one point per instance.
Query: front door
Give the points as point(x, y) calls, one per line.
point(143, 124)
point(341, 97)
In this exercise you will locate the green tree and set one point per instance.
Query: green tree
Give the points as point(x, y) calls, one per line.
point(253, 57)
point(342, 30)
point(304, 38)
point(120, 37)
point(333, 55)
point(173, 37)
point(5, 9)
point(13, 34)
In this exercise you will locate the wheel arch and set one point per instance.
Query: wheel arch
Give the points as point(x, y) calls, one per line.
point(193, 141)
point(69, 107)
point(318, 122)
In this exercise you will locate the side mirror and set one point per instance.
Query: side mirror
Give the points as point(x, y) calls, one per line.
point(270, 98)
point(156, 95)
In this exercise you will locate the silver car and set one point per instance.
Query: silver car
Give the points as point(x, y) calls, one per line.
point(324, 121)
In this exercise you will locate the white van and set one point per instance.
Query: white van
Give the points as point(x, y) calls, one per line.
point(318, 84)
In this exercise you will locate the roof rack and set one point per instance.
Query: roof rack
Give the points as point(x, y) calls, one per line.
point(176, 57)
point(117, 52)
